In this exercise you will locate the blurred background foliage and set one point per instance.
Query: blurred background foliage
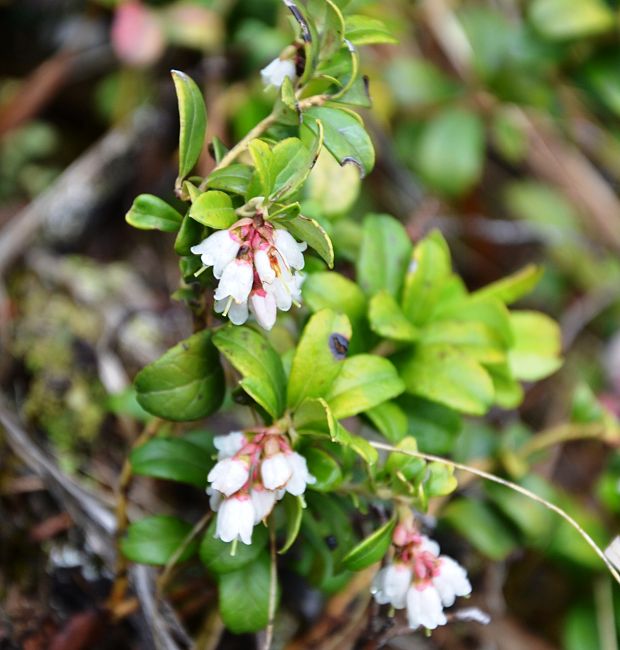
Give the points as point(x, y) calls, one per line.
point(495, 121)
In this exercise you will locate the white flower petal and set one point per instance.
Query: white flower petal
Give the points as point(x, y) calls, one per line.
point(229, 475)
point(391, 585)
point(236, 281)
point(217, 250)
point(429, 545)
point(264, 309)
point(229, 444)
point(263, 501)
point(235, 519)
point(451, 581)
point(291, 250)
point(424, 608)
point(300, 476)
point(215, 499)
point(275, 72)
point(275, 471)
point(263, 266)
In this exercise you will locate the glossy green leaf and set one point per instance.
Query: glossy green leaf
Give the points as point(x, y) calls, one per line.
point(293, 510)
point(428, 271)
point(475, 339)
point(264, 178)
point(512, 287)
point(213, 209)
point(244, 596)
point(190, 233)
point(364, 381)
point(390, 420)
point(384, 255)
point(364, 30)
point(324, 468)
point(174, 459)
point(186, 383)
point(451, 151)
point(445, 374)
point(262, 373)
point(334, 291)
point(330, 24)
point(440, 480)
point(310, 231)
point(292, 162)
point(434, 425)
point(154, 540)
point(319, 356)
point(370, 550)
point(475, 521)
point(561, 19)
point(217, 557)
point(149, 212)
point(344, 136)
point(538, 343)
point(387, 319)
point(193, 121)
point(232, 178)
point(403, 467)
point(358, 444)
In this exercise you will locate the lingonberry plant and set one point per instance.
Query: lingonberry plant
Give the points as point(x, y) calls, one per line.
point(332, 367)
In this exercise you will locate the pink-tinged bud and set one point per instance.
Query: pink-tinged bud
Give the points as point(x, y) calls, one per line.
point(137, 35)
point(400, 535)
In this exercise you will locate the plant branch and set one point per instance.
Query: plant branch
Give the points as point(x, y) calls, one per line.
point(122, 519)
point(564, 433)
point(512, 486)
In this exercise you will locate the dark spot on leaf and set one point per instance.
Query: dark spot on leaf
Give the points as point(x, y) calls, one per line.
point(331, 542)
point(339, 345)
point(349, 160)
point(185, 346)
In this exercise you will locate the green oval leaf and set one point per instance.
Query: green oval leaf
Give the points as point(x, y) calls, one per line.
point(149, 212)
point(193, 121)
point(370, 550)
point(186, 383)
point(319, 356)
point(174, 459)
point(213, 209)
point(154, 540)
point(364, 30)
point(344, 136)
point(190, 233)
point(293, 510)
point(252, 355)
point(232, 178)
point(324, 468)
point(244, 596)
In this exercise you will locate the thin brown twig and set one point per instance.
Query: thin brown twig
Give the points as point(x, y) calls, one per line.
point(121, 579)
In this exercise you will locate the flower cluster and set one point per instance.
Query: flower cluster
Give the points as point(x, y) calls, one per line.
point(420, 579)
point(257, 267)
point(251, 475)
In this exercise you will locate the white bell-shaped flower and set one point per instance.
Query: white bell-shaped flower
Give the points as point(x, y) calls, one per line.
point(235, 519)
point(229, 444)
point(300, 476)
point(276, 72)
point(424, 608)
point(263, 306)
point(289, 248)
point(217, 250)
point(263, 501)
point(229, 475)
point(236, 281)
point(391, 584)
point(215, 498)
point(451, 581)
point(276, 471)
